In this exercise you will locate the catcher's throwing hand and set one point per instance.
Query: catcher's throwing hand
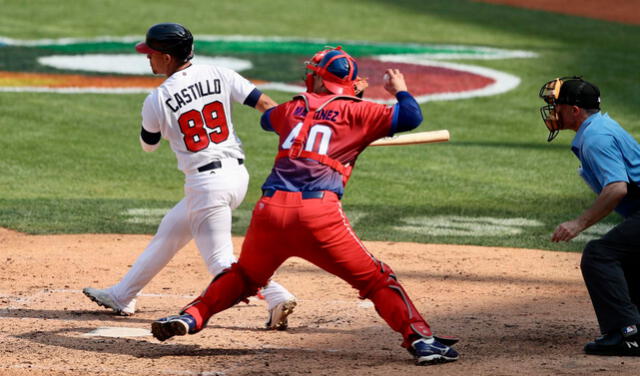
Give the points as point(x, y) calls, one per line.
point(394, 81)
point(566, 231)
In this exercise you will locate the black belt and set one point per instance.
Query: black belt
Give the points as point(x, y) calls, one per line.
point(215, 165)
point(305, 194)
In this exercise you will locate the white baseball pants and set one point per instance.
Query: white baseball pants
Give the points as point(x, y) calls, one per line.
point(204, 214)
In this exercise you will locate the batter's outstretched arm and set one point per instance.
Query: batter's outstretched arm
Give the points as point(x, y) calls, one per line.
point(259, 101)
point(265, 102)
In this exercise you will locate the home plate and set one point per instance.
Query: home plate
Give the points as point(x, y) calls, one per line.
point(118, 332)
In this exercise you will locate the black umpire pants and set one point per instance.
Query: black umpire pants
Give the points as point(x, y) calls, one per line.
point(611, 270)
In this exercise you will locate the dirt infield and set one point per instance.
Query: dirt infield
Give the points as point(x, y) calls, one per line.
point(517, 311)
point(623, 11)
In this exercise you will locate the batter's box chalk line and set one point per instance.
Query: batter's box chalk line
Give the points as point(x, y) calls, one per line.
point(117, 332)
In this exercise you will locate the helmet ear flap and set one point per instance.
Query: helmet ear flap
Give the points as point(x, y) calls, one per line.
point(309, 81)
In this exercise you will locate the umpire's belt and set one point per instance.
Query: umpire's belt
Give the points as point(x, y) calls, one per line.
point(215, 165)
point(305, 194)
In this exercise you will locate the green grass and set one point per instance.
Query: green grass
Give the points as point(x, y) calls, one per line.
point(72, 163)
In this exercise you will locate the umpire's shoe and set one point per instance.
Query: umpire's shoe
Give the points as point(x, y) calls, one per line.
point(625, 342)
point(429, 351)
point(167, 327)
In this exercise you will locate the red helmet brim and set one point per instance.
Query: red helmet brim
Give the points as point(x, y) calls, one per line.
point(144, 49)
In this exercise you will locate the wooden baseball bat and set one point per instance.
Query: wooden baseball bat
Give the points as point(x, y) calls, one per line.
point(413, 138)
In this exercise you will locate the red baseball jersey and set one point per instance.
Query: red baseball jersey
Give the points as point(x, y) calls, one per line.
point(341, 129)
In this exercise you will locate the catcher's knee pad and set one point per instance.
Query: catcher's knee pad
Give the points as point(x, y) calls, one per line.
point(248, 287)
point(385, 277)
point(227, 289)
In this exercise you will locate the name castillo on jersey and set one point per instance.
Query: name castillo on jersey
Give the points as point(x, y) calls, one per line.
point(193, 92)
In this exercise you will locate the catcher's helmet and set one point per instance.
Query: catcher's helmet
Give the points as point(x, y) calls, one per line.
point(337, 69)
point(168, 38)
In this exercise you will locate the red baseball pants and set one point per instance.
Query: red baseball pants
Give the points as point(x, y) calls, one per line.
point(286, 225)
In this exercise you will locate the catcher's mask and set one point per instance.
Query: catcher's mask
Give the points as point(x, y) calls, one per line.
point(337, 69)
point(573, 91)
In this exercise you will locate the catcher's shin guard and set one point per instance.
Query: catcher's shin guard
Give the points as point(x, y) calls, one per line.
point(394, 305)
point(227, 289)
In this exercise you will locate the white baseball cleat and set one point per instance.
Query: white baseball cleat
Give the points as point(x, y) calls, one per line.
point(103, 298)
point(278, 315)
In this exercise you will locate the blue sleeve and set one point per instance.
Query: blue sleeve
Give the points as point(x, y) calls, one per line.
point(265, 122)
point(605, 160)
point(252, 98)
point(407, 114)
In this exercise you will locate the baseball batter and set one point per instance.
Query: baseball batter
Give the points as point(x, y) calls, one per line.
point(192, 110)
point(321, 133)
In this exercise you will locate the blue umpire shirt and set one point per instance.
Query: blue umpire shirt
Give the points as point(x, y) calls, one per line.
point(608, 154)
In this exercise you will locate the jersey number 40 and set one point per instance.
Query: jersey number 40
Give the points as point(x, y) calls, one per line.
point(319, 138)
point(200, 128)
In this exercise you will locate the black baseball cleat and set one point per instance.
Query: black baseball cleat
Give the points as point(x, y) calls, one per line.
point(167, 327)
point(625, 342)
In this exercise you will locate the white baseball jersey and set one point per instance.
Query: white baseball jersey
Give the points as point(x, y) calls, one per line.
point(192, 110)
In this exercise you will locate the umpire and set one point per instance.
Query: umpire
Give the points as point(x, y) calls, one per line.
point(610, 159)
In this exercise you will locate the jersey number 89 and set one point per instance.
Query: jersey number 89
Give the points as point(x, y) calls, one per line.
point(203, 127)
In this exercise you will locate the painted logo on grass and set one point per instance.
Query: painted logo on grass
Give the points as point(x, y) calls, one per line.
point(110, 65)
point(444, 225)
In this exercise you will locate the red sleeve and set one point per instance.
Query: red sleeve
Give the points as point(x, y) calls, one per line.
point(280, 116)
point(373, 119)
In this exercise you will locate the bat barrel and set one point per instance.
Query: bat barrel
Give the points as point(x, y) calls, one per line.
point(414, 138)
